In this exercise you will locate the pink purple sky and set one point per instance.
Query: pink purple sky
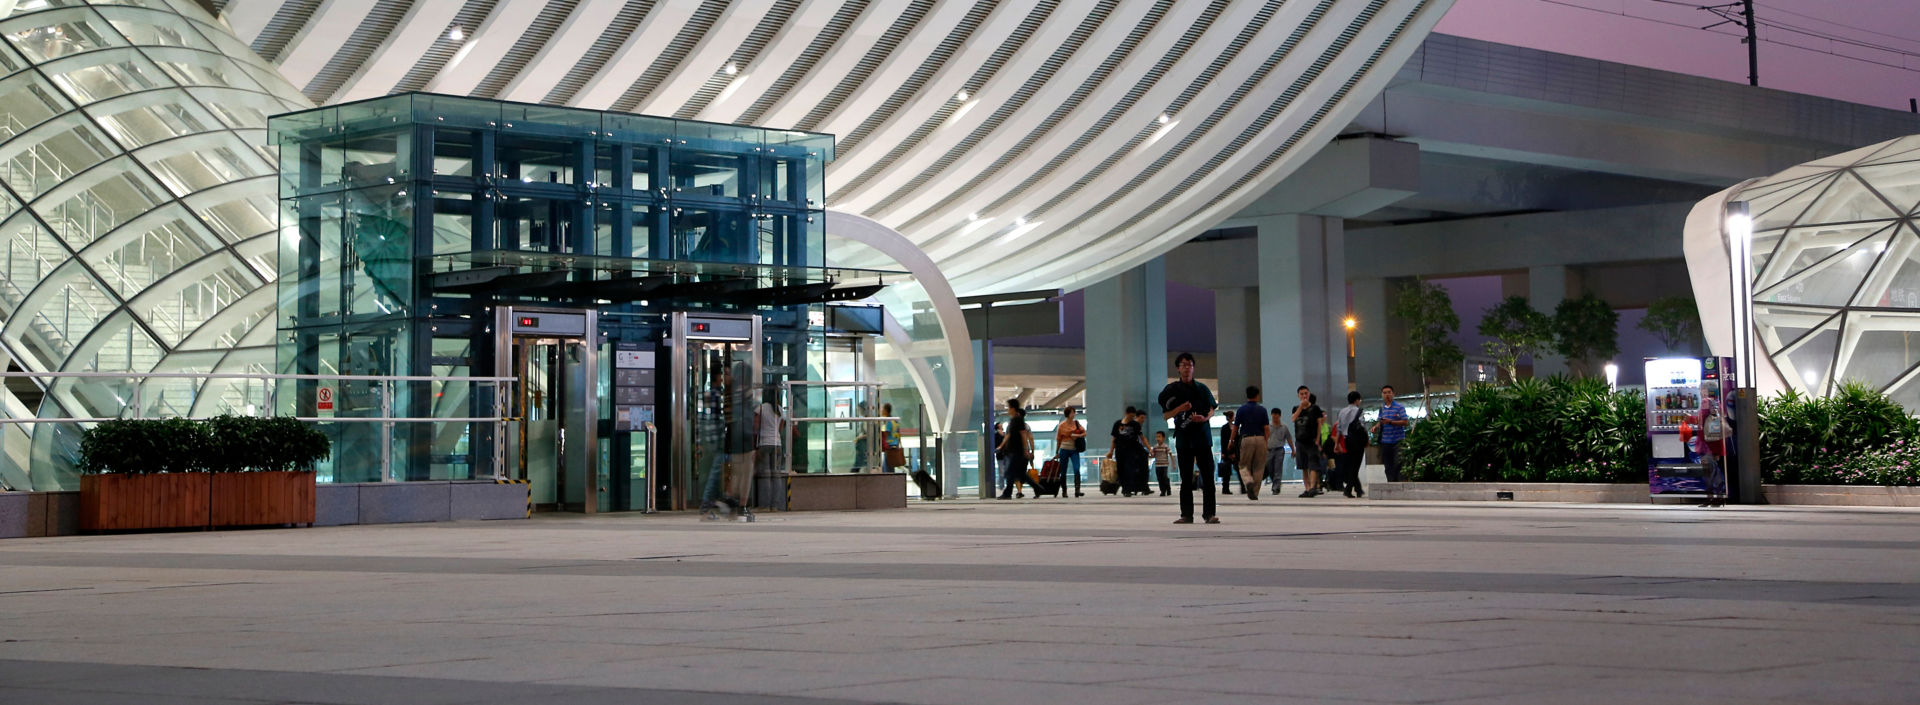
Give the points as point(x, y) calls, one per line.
point(1635, 32)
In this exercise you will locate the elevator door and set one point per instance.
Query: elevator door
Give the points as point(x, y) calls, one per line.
point(716, 385)
point(552, 444)
point(553, 455)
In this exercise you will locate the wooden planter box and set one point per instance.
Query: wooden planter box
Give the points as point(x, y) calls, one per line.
point(195, 499)
point(261, 498)
point(123, 502)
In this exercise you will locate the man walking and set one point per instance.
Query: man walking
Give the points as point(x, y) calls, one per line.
point(1392, 427)
point(1252, 421)
point(1229, 453)
point(1129, 449)
point(1190, 405)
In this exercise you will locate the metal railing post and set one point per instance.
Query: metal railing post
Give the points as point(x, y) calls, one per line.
point(386, 430)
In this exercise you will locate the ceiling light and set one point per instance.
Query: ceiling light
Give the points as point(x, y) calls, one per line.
point(973, 216)
point(1165, 118)
point(732, 69)
point(962, 95)
point(456, 34)
point(1022, 222)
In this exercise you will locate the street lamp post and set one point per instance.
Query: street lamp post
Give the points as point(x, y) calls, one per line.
point(1613, 376)
point(1745, 484)
point(1352, 368)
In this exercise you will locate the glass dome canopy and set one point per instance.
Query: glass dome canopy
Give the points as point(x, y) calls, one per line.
point(1837, 270)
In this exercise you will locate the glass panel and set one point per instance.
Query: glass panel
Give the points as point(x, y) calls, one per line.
point(643, 163)
point(713, 235)
point(31, 254)
point(454, 152)
point(538, 224)
point(152, 118)
point(381, 243)
point(118, 345)
point(1848, 201)
point(63, 308)
point(1809, 362)
point(53, 38)
point(26, 101)
point(1879, 347)
point(188, 298)
point(1832, 281)
point(377, 159)
point(529, 160)
point(236, 213)
point(311, 241)
point(202, 162)
point(57, 156)
point(155, 29)
point(1781, 326)
point(700, 174)
point(1898, 183)
point(452, 221)
point(150, 248)
point(236, 108)
point(198, 68)
point(1783, 208)
point(116, 195)
point(1802, 248)
point(95, 78)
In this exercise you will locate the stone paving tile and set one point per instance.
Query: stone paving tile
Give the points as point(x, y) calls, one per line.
point(1375, 688)
point(989, 688)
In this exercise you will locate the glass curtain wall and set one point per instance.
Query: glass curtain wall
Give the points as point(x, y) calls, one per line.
point(632, 216)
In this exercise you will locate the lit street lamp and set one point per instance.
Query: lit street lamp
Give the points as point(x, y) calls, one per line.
point(1746, 412)
point(1613, 376)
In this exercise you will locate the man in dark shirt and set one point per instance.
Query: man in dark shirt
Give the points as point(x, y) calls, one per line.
point(1252, 431)
point(1307, 420)
point(1190, 405)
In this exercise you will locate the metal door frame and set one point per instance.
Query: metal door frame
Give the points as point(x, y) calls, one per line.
point(678, 336)
point(503, 342)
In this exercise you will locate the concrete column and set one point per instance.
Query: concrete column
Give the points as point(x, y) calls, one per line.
point(1236, 324)
point(1126, 334)
point(1301, 304)
point(1375, 350)
point(1546, 287)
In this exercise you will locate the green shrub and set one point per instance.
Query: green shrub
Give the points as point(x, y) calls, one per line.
point(143, 446)
point(1803, 440)
point(220, 444)
point(1557, 430)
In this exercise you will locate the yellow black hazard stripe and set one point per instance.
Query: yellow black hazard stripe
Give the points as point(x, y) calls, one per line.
point(499, 481)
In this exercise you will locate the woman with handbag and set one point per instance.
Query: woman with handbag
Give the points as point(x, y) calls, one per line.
point(1071, 438)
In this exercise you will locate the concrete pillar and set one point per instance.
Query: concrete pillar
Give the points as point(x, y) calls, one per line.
point(1126, 334)
point(1375, 350)
point(1547, 286)
point(1236, 325)
point(1301, 305)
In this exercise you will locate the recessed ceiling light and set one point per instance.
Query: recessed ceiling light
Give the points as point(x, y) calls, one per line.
point(456, 34)
point(1022, 222)
point(962, 95)
point(732, 69)
point(973, 216)
point(1165, 118)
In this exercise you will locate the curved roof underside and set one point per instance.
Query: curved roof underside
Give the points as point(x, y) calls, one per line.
point(1022, 143)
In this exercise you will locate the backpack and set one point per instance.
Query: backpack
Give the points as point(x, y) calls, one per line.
point(1713, 428)
point(1357, 432)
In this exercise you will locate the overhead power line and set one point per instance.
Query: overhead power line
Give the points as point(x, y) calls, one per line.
point(1780, 29)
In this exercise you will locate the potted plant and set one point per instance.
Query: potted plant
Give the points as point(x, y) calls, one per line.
point(174, 473)
point(262, 470)
point(143, 474)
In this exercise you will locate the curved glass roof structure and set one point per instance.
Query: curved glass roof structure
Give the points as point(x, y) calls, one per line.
point(137, 207)
point(1837, 270)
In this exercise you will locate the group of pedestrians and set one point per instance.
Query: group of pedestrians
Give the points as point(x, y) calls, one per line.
point(1328, 450)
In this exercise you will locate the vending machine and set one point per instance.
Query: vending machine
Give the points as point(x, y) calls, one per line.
point(1677, 389)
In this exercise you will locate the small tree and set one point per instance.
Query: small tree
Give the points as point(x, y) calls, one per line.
point(1585, 329)
point(1675, 320)
point(1428, 312)
point(1516, 329)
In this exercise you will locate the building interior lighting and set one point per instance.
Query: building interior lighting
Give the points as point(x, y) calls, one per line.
point(732, 68)
point(457, 34)
point(962, 95)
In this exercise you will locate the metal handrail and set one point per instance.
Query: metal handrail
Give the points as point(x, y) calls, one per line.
point(256, 375)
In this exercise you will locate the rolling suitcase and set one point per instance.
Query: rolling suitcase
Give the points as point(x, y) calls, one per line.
point(929, 487)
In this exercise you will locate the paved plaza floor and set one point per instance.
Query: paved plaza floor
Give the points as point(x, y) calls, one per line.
point(1095, 601)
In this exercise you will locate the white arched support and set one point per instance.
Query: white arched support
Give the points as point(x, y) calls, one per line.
point(952, 409)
